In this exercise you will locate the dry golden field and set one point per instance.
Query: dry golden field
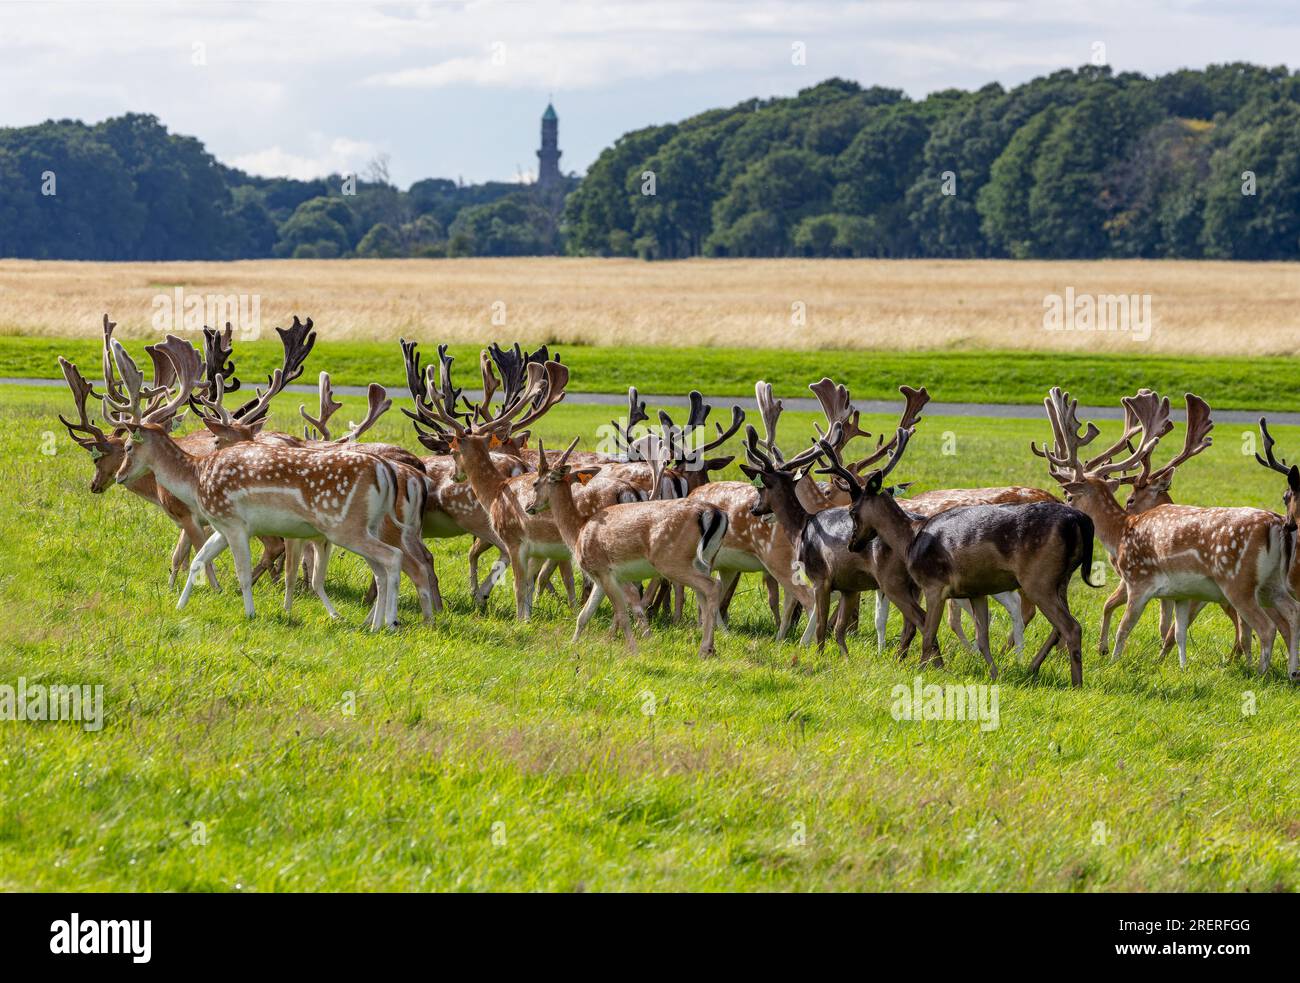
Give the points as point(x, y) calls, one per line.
point(1196, 307)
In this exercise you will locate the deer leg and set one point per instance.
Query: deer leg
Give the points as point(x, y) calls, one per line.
point(848, 615)
point(730, 580)
point(477, 548)
point(619, 602)
point(241, 552)
point(936, 601)
point(566, 576)
point(588, 609)
point(1238, 627)
point(1011, 600)
point(542, 583)
point(1115, 600)
point(820, 614)
point(1182, 618)
point(708, 594)
point(202, 560)
point(772, 586)
point(955, 608)
point(180, 553)
point(1137, 603)
point(896, 588)
point(882, 620)
point(194, 532)
point(979, 607)
point(519, 571)
point(1056, 609)
point(320, 556)
point(291, 549)
point(273, 548)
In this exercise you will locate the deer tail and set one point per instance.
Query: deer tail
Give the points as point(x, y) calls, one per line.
point(713, 527)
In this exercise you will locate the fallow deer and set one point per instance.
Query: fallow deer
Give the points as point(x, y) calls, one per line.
point(821, 542)
point(1179, 552)
point(979, 550)
point(473, 435)
point(252, 488)
point(624, 543)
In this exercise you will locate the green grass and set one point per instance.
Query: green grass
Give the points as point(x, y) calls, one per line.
point(978, 377)
point(1150, 778)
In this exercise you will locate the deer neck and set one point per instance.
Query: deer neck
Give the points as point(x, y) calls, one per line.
point(895, 527)
point(1108, 519)
point(483, 475)
point(789, 511)
point(176, 470)
point(565, 510)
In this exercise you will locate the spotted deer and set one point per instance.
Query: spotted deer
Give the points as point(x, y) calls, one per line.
point(625, 543)
point(1150, 488)
point(473, 434)
point(251, 488)
point(1179, 552)
point(108, 449)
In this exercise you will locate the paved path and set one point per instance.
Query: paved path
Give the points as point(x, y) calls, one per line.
point(795, 404)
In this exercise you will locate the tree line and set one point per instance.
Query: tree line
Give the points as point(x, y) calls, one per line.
point(127, 189)
point(1078, 164)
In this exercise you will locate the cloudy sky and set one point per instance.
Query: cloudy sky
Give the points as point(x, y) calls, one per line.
point(456, 89)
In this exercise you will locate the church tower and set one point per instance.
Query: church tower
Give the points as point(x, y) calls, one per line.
point(548, 157)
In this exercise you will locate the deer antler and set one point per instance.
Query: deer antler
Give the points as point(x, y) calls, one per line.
point(914, 400)
point(328, 407)
point(837, 408)
point(654, 450)
point(1064, 454)
point(836, 468)
point(379, 403)
point(81, 390)
point(769, 408)
point(187, 368)
point(545, 388)
point(754, 452)
point(1196, 440)
point(297, 341)
point(635, 414)
point(1278, 464)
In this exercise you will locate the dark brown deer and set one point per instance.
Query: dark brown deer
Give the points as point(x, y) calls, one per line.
point(975, 551)
point(821, 544)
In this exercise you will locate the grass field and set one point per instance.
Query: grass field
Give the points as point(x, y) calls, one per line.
point(1197, 308)
point(1257, 384)
point(295, 753)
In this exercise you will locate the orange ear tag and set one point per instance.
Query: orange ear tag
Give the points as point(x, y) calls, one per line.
point(494, 441)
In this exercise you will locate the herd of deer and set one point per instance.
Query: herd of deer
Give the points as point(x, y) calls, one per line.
point(645, 522)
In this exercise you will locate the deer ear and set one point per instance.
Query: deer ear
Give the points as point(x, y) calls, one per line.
point(748, 472)
point(582, 476)
point(1293, 478)
point(718, 463)
point(231, 433)
point(875, 481)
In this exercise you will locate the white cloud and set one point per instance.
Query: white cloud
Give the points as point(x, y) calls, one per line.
point(337, 156)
